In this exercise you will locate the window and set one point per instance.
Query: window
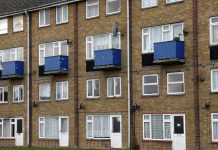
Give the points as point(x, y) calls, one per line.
point(49, 127)
point(114, 87)
point(3, 26)
point(149, 3)
point(214, 30)
point(7, 128)
point(18, 93)
point(3, 94)
point(44, 92)
point(14, 54)
point(160, 34)
point(18, 23)
point(173, 1)
point(44, 17)
point(113, 6)
point(1, 58)
point(214, 120)
point(52, 49)
point(101, 42)
point(62, 90)
point(92, 8)
point(98, 126)
point(157, 127)
point(214, 80)
point(62, 14)
point(175, 83)
point(150, 85)
point(93, 87)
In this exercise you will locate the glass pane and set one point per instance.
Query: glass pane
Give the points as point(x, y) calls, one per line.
point(178, 31)
point(214, 20)
point(52, 127)
point(47, 16)
point(20, 93)
point(215, 116)
point(56, 48)
point(176, 88)
point(115, 41)
point(64, 125)
point(215, 33)
point(5, 98)
point(16, 93)
point(20, 54)
point(146, 43)
point(175, 77)
point(93, 10)
point(150, 79)
point(6, 128)
point(42, 18)
point(58, 90)
point(89, 129)
point(18, 23)
point(101, 42)
point(117, 86)
point(65, 13)
point(59, 14)
point(65, 90)
point(110, 87)
point(96, 89)
point(215, 130)
point(44, 91)
point(49, 50)
point(113, 6)
point(64, 48)
point(157, 126)
point(0, 130)
point(89, 2)
point(116, 124)
point(1, 95)
point(3, 26)
point(90, 88)
point(42, 130)
point(150, 89)
point(6, 55)
point(167, 130)
point(147, 130)
point(156, 36)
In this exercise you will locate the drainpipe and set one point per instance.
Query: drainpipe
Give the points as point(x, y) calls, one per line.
point(196, 76)
point(76, 86)
point(28, 72)
point(128, 74)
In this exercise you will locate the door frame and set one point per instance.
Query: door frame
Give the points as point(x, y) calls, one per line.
point(111, 127)
point(65, 117)
point(19, 118)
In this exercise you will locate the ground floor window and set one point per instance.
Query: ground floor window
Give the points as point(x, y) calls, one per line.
point(7, 128)
point(214, 120)
point(157, 126)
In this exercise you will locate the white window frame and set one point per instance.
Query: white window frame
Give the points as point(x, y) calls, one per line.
point(212, 130)
point(164, 121)
point(3, 90)
point(149, 48)
point(90, 40)
point(89, 5)
point(178, 82)
point(62, 9)
point(211, 31)
point(213, 90)
point(149, 5)
point(43, 11)
point(13, 51)
point(2, 123)
point(93, 88)
point(143, 84)
point(20, 28)
point(174, 1)
point(110, 13)
point(6, 30)
point(41, 122)
point(114, 88)
point(18, 86)
point(62, 83)
point(40, 91)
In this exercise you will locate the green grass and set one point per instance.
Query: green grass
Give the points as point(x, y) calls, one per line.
point(36, 148)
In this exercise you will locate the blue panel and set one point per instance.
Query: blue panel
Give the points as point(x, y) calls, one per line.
point(56, 63)
point(13, 68)
point(108, 57)
point(169, 50)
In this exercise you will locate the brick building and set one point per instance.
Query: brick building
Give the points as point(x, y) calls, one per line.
point(139, 74)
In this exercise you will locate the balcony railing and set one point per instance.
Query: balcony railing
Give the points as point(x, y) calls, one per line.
point(169, 52)
point(12, 69)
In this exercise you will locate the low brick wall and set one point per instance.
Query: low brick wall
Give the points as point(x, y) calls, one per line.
point(156, 145)
point(47, 143)
point(7, 142)
point(98, 144)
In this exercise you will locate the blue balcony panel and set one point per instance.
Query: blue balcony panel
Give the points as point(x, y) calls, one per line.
point(56, 65)
point(12, 69)
point(170, 52)
point(107, 59)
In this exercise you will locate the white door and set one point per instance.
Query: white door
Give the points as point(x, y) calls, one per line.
point(179, 140)
point(63, 132)
point(116, 135)
point(19, 132)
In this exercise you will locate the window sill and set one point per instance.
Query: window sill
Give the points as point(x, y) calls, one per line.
point(93, 98)
point(114, 13)
point(115, 97)
point(94, 17)
point(7, 138)
point(44, 101)
point(62, 23)
point(175, 2)
point(3, 103)
point(18, 31)
point(21, 102)
point(151, 7)
point(162, 141)
point(44, 26)
point(98, 139)
point(4, 34)
point(179, 94)
point(48, 139)
point(154, 95)
point(61, 100)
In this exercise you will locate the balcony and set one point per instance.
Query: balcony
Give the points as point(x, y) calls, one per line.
point(107, 59)
point(56, 65)
point(171, 52)
point(12, 69)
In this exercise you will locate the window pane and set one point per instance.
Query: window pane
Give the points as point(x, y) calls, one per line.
point(115, 41)
point(1, 94)
point(65, 90)
point(110, 87)
point(52, 127)
point(215, 130)
point(16, 90)
point(5, 98)
point(0, 130)
point(6, 128)
point(44, 91)
point(215, 116)
point(65, 13)
point(215, 80)
point(18, 23)
point(113, 6)
point(116, 125)
point(20, 54)
point(178, 31)
point(6, 55)
point(47, 16)
point(96, 89)
point(101, 42)
point(20, 93)
point(3, 26)
point(146, 130)
point(156, 36)
point(214, 33)
point(148, 3)
point(150, 79)
point(150, 89)
point(92, 10)
point(175, 77)
point(101, 126)
point(89, 129)
point(59, 14)
point(59, 90)
point(42, 17)
point(42, 130)
point(56, 49)
point(167, 129)
point(64, 48)
point(146, 43)
point(157, 126)
point(176, 88)
point(117, 86)
point(64, 125)
point(90, 88)
point(49, 49)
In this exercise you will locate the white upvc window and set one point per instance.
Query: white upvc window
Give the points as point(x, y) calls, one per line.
point(62, 90)
point(18, 23)
point(3, 26)
point(113, 6)
point(175, 83)
point(149, 3)
point(49, 127)
point(14, 54)
point(157, 127)
point(214, 80)
point(18, 93)
point(7, 128)
point(98, 127)
point(93, 88)
point(44, 17)
point(44, 91)
point(61, 14)
point(92, 8)
point(101, 42)
point(150, 84)
point(157, 34)
point(1, 59)
point(214, 30)
point(173, 1)
point(114, 87)
point(52, 49)
point(214, 124)
point(4, 94)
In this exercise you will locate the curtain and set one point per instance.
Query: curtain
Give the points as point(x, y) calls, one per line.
point(156, 36)
point(96, 88)
point(44, 91)
point(65, 13)
point(157, 126)
point(101, 42)
point(52, 127)
point(64, 48)
point(117, 86)
point(48, 49)
point(101, 127)
point(16, 91)
point(147, 130)
point(178, 31)
point(59, 14)
point(92, 8)
point(65, 90)
point(167, 130)
point(6, 128)
point(3, 26)
point(110, 87)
